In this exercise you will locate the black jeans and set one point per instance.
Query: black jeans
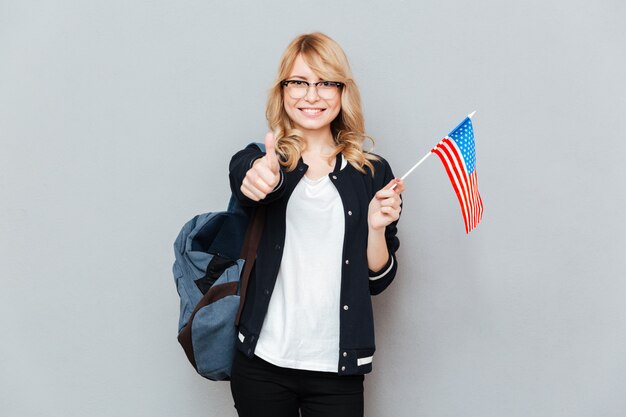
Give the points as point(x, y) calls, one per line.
point(261, 389)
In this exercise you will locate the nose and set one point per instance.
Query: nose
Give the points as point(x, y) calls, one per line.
point(311, 94)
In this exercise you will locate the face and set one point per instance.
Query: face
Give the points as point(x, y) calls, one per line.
point(310, 113)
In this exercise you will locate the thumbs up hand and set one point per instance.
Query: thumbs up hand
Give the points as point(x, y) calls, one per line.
point(264, 175)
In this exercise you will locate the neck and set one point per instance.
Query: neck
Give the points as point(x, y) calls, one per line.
point(319, 142)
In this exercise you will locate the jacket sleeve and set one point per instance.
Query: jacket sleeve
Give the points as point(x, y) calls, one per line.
point(240, 163)
point(380, 280)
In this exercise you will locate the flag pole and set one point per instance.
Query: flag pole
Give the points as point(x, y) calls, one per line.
point(412, 169)
point(416, 165)
point(425, 156)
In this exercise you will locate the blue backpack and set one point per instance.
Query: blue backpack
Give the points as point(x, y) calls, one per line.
point(211, 272)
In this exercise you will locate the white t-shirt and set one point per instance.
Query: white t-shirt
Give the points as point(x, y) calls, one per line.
point(301, 328)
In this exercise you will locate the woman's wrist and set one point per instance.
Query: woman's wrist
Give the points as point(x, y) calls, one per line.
point(377, 253)
point(376, 230)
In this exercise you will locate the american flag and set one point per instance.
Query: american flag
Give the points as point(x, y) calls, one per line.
point(458, 155)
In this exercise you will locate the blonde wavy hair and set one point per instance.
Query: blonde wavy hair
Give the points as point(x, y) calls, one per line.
point(326, 58)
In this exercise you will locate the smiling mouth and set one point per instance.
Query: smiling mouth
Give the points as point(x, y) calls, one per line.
point(311, 111)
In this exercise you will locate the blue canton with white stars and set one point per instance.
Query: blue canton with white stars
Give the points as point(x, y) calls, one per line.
point(463, 136)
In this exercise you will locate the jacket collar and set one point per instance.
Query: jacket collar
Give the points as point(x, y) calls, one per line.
point(340, 163)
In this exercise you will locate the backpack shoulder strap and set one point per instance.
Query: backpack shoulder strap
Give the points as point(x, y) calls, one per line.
point(248, 253)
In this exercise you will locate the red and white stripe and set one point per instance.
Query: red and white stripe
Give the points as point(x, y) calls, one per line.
point(465, 186)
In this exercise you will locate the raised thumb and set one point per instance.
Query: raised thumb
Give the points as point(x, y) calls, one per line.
point(272, 160)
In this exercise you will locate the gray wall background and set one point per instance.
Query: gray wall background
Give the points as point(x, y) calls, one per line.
point(117, 121)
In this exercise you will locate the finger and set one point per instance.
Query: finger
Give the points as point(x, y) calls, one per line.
point(264, 172)
point(397, 184)
point(270, 152)
point(255, 181)
point(387, 209)
point(385, 193)
point(252, 192)
point(390, 202)
point(246, 191)
point(391, 212)
point(262, 186)
point(400, 186)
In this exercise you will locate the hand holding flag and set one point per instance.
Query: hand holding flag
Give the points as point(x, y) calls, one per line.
point(385, 207)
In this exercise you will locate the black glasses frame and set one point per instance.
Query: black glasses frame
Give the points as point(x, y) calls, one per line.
point(285, 83)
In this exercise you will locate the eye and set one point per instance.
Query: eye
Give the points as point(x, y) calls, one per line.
point(298, 83)
point(327, 83)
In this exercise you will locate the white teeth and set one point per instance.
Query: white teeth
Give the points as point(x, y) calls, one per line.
point(312, 111)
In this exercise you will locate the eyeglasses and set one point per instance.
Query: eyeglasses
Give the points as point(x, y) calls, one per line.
point(298, 89)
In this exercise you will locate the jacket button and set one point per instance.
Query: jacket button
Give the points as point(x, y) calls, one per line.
point(346, 307)
point(277, 247)
point(343, 368)
point(349, 212)
point(345, 354)
point(347, 261)
point(334, 177)
point(266, 292)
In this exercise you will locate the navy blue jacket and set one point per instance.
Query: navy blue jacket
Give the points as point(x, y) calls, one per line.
point(356, 331)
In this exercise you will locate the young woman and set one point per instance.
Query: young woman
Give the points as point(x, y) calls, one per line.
point(306, 334)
